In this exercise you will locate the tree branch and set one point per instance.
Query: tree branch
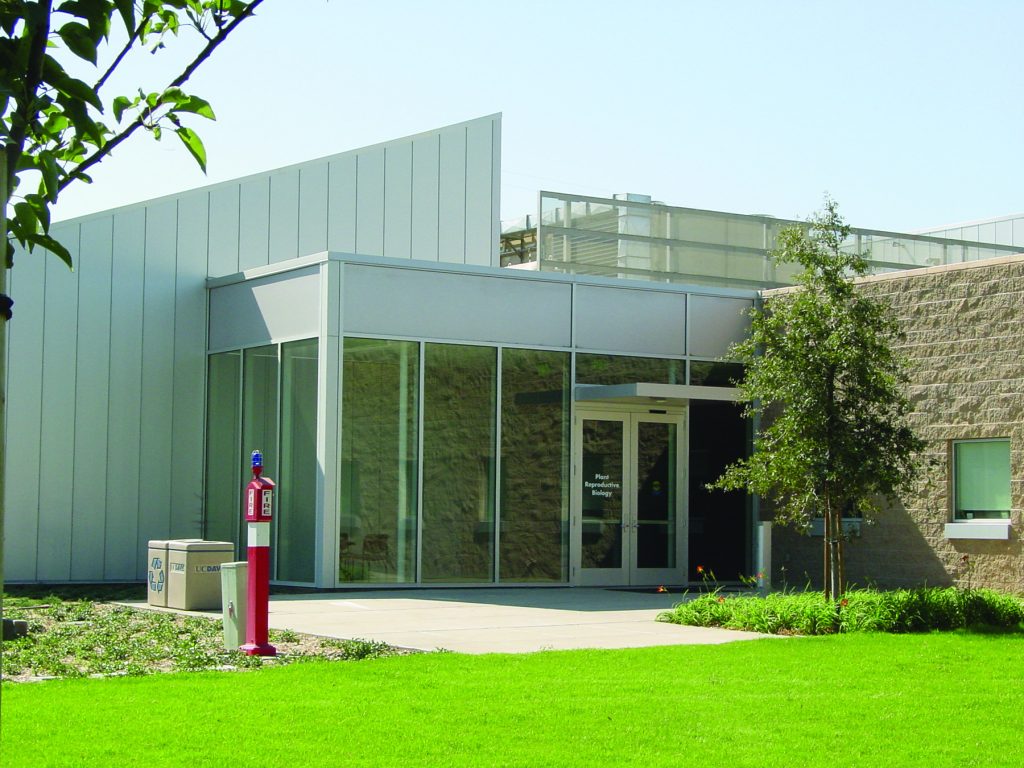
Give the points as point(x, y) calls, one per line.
point(202, 56)
point(117, 61)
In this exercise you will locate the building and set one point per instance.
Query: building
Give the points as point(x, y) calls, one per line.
point(430, 417)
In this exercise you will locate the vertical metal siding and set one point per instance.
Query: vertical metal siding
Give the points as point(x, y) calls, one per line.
point(398, 201)
point(254, 223)
point(224, 209)
point(452, 195)
point(189, 382)
point(341, 204)
point(370, 202)
point(313, 209)
point(284, 215)
point(57, 425)
point(425, 168)
point(24, 393)
point(478, 194)
point(123, 430)
point(155, 469)
point(89, 494)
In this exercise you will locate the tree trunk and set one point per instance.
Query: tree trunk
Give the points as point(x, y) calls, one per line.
point(827, 520)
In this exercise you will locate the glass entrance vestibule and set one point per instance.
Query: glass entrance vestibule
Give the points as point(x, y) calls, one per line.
point(407, 459)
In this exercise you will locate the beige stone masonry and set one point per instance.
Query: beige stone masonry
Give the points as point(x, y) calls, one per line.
point(964, 341)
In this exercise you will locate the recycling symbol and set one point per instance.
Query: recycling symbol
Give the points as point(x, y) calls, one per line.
point(156, 575)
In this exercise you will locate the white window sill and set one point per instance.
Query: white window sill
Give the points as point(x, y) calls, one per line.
point(998, 530)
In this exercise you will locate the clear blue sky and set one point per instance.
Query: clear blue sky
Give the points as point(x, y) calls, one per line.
point(908, 113)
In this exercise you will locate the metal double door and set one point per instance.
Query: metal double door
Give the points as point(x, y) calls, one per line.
point(629, 498)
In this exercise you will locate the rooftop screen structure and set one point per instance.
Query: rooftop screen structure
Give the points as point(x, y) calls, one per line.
point(630, 236)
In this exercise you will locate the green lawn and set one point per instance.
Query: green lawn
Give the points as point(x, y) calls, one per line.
point(876, 700)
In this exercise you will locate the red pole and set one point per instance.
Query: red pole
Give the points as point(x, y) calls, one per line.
point(258, 514)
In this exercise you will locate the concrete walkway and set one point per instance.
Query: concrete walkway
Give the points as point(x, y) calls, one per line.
point(494, 620)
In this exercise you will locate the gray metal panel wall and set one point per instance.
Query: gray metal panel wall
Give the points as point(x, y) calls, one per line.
point(426, 161)
point(116, 349)
point(254, 223)
point(92, 402)
point(627, 320)
point(56, 427)
point(398, 200)
point(25, 351)
point(268, 309)
point(189, 385)
point(284, 215)
point(717, 322)
point(457, 306)
point(157, 377)
point(223, 259)
point(124, 431)
point(313, 203)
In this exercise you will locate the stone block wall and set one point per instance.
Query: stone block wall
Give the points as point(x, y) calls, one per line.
point(964, 328)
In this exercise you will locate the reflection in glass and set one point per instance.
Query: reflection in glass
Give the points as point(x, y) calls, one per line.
point(622, 369)
point(459, 392)
point(602, 494)
point(259, 409)
point(379, 429)
point(534, 465)
point(296, 498)
point(656, 495)
point(714, 373)
point(223, 420)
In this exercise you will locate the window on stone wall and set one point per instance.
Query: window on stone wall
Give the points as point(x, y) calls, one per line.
point(981, 479)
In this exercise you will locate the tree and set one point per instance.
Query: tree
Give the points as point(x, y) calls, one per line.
point(823, 375)
point(55, 127)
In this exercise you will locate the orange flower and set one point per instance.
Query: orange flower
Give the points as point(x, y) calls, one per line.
point(700, 569)
point(721, 599)
point(662, 589)
point(844, 602)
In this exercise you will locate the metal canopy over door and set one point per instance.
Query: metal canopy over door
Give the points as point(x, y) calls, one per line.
point(628, 510)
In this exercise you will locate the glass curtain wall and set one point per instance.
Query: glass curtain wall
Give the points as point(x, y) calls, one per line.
point(296, 498)
point(259, 408)
point(223, 424)
point(459, 425)
point(623, 369)
point(534, 541)
point(379, 446)
point(246, 410)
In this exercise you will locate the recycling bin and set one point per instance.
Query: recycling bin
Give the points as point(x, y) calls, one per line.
point(193, 573)
point(156, 588)
point(234, 585)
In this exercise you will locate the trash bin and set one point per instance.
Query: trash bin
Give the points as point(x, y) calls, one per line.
point(156, 591)
point(234, 584)
point(193, 573)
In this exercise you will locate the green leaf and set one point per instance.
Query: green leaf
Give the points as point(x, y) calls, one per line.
point(84, 125)
point(127, 10)
point(120, 104)
point(54, 74)
point(79, 40)
point(41, 209)
point(197, 106)
point(25, 221)
point(53, 246)
point(194, 145)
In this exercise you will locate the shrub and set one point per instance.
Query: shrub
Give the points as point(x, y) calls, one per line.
point(862, 610)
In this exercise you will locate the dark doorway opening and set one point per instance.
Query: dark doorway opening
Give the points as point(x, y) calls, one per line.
point(719, 521)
